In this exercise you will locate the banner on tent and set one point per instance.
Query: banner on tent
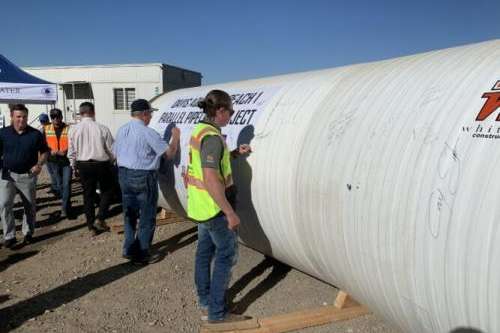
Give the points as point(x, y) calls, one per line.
point(28, 92)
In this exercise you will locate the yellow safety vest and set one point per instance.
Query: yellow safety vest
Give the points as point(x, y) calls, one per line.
point(200, 205)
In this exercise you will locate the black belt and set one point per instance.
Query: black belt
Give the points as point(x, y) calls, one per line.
point(92, 162)
point(145, 171)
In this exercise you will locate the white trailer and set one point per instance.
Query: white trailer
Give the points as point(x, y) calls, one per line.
point(110, 87)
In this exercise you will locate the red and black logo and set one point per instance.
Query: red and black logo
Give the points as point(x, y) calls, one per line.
point(491, 104)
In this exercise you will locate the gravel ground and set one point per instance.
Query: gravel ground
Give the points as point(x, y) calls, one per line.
point(68, 281)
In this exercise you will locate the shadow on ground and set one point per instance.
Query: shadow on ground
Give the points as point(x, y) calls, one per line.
point(162, 249)
point(15, 315)
point(15, 258)
point(278, 272)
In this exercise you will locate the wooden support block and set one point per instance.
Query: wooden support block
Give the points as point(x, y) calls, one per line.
point(344, 300)
point(170, 220)
point(164, 213)
point(340, 299)
point(170, 217)
point(308, 318)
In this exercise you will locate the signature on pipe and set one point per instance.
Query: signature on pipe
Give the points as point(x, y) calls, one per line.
point(442, 198)
point(337, 127)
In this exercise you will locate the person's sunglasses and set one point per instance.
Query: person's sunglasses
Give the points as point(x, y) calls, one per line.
point(54, 116)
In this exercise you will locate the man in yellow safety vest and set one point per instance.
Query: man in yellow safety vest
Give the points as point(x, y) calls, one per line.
point(209, 180)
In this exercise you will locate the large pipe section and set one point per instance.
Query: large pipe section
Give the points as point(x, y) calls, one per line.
point(378, 178)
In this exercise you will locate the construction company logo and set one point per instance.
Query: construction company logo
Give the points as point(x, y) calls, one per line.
point(491, 104)
point(484, 127)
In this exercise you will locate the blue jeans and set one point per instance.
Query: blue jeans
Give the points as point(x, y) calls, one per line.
point(217, 242)
point(61, 182)
point(140, 200)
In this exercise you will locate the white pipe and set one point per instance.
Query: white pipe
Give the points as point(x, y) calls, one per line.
point(376, 178)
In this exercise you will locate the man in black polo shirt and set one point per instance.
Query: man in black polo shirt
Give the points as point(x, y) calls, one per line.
point(24, 151)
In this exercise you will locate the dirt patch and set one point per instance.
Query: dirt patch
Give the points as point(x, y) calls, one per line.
point(69, 281)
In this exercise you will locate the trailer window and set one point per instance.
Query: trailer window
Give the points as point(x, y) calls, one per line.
point(123, 98)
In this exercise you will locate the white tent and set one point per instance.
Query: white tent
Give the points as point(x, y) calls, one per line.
point(17, 86)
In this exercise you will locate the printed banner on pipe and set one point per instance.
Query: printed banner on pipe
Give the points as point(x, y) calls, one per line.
point(184, 113)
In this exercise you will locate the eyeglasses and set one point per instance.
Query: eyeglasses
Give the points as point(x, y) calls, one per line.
point(54, 116)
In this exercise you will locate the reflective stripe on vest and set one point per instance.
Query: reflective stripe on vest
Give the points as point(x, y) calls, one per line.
point(51, 138)
point(199, 184)
point(200, 206)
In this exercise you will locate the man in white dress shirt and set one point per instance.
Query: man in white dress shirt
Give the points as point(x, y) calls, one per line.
point(90, 154)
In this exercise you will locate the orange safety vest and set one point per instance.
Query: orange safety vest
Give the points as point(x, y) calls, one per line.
point(52, 142)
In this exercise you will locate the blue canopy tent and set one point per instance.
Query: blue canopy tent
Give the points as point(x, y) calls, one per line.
point(17, 86)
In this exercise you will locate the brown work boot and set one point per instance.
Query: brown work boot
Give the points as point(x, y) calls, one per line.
point(232, 321)
point(101, 225)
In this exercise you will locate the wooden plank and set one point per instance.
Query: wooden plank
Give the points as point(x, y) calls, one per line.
point(308, 318)
point(117, 227)
point(170, 220)
point(239, 326)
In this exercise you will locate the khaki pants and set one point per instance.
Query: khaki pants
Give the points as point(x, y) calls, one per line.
point(25, 184)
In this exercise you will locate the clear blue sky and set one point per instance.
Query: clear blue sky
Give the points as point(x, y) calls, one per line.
point(236, 40)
